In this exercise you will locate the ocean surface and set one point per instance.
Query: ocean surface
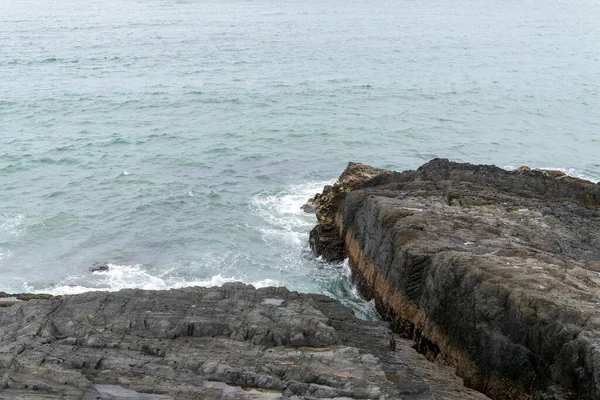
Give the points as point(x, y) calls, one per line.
point(176, 140)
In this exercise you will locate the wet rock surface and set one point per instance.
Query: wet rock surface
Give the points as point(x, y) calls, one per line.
point(495, 273)
point(233, 342)
point(323, 239)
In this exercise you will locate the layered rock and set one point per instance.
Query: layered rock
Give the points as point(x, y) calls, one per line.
point(233, 342)
point(323, 238)
point(495, 273)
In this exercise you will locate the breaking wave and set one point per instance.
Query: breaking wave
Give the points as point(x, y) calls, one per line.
point(119, 277)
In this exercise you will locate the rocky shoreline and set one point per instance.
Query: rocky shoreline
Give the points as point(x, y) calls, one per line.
point(230, 342)
point(492, 275)
point(495, 273)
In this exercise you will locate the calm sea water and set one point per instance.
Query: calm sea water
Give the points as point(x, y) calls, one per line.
point(177, 140)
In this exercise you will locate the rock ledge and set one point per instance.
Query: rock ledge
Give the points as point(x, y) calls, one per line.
point(233, 342)
point(495, 273)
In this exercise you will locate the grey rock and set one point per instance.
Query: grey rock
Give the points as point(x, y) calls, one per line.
point(493, 272)
point(99, 267)
point(233, 342)
point(324, 239)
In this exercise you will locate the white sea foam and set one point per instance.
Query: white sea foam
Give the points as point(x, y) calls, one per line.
point(282, 211)
point(119, 277)
point(289, 201)
point(284, 228)
point(348, 275)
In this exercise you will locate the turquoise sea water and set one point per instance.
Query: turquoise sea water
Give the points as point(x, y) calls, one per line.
point(177, 140)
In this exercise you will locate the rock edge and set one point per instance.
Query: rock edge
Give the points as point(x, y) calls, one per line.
point(493, 272)
point(230, 342)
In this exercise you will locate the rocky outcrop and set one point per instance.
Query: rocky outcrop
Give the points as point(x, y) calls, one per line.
point(233, 342)
point(495, 273)
point(322, 239)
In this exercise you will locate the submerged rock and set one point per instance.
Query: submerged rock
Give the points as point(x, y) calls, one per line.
point(495, 273)
point(99, 267)
point(233, 342)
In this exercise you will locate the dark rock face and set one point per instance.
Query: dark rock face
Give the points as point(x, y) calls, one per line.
point(233, 342)
point(324, 239)
point(496, 273)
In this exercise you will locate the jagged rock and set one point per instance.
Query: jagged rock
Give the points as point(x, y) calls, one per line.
point(493, 272)
point(233, 342)
point(324, 203)
point(323, 239)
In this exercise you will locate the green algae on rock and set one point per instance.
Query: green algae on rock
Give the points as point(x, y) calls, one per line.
point(7, 300)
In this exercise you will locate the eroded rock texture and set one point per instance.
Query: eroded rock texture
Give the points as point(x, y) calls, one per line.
point(323, 239)
point(233, 342)
point(496, 273)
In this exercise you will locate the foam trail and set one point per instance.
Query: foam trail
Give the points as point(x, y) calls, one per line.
point(287, 223)
point(120, 277)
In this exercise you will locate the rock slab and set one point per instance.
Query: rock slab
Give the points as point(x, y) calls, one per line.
point(233, 342)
